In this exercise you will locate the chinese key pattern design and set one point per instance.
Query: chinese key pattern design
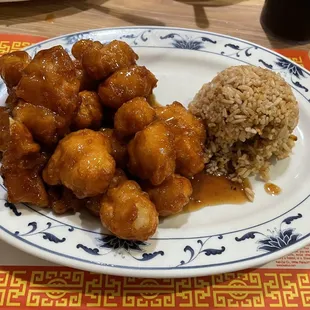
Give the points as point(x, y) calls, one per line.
point(11, 42)
point(7, 46)
point(46, 287)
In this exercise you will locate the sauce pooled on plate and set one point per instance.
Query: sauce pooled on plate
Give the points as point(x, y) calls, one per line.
point(272, 189)
point(210, 190)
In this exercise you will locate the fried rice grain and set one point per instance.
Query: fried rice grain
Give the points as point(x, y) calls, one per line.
point(250, 114)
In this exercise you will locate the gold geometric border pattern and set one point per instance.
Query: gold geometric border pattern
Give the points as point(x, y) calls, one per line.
point(61, 287)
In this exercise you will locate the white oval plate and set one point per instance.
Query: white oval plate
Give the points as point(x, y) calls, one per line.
point(211, 240)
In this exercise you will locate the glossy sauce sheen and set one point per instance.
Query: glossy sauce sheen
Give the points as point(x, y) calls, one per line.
point(272, 189)
point(209, 190)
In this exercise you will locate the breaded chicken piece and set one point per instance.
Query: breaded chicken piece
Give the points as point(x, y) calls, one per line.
point(101, 60)
point(4, 128)
point(118, 178)
point(79, 48)
point(90, 111)
point(21, 142)
point(170, 196)
point(133, 116)
point(82, 162)
point(22, 164)
point(190, 156)
point(128, 212)
point(119, 147)
point(190, 136)
point(152, 153)
point(46, 126)
point(12, 66)
point(12, 100)
point(50, 81)
point(86, 82)
point(93, 204)
point(181, 120)
point(63, 200)
point(126, 84)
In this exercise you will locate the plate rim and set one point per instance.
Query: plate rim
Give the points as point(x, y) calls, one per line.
point(109, 269)
point(168, 28)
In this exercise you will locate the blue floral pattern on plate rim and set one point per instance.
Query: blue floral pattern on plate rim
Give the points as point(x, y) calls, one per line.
point(273, 238)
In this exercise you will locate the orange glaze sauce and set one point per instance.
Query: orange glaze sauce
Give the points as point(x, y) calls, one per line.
point(272, 189)
point(210, 190)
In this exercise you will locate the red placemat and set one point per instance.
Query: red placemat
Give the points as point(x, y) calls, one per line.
point(50, 287)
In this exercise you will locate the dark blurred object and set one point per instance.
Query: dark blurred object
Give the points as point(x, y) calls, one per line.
point(287, 19)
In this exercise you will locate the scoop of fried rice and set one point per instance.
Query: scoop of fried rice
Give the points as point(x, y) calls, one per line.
point(250, 114)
